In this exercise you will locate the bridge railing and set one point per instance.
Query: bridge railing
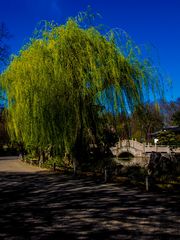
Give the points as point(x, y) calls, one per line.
point(157, 148)
point(131, 143)
point(142, 147)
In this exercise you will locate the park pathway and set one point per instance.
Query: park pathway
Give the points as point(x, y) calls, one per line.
point(13, 164)
point(37, 204)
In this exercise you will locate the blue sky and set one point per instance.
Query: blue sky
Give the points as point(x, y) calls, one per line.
point(155, 22)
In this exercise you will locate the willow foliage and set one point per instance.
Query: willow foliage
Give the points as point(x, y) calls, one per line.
point(57, 85)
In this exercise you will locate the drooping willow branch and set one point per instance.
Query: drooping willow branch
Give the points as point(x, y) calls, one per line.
point(56, 81)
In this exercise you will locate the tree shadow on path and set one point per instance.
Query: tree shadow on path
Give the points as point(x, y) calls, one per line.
point(53, 206)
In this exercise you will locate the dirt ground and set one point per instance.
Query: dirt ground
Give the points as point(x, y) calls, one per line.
point(37, 204)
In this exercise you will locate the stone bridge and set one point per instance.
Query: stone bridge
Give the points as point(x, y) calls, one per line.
point(138, 149)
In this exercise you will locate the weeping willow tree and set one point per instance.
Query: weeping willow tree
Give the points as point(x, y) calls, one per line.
point(62, 82)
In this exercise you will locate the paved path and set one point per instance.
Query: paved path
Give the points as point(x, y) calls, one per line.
point(13, 164)
point(42, 205)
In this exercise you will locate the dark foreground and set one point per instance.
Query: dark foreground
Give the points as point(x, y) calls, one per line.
point(51, 206)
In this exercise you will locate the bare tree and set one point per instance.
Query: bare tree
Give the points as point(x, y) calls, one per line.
point(4, 48)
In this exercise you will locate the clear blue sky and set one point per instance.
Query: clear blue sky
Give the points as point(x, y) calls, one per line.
point(147, 21)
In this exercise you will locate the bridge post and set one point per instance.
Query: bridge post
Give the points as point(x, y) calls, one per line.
point(147, 183)
point(54, 166)
point(117, 148)
point(105, 174)
point(144, 148)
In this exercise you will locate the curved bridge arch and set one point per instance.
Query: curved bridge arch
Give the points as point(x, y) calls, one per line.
point(125, 154)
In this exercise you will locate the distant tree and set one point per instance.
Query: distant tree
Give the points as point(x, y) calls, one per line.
point(176, 118)
point(4, 48)
point(4, 138)
point(168, 109)
point(4, 53)
point(167, 138)
point(123, 126)
point(145, 120)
